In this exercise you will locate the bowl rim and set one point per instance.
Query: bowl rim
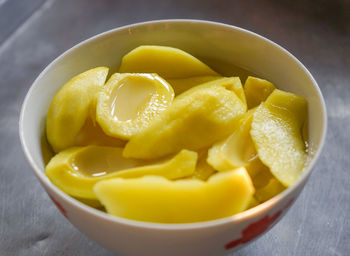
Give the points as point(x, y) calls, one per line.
point(40, 174)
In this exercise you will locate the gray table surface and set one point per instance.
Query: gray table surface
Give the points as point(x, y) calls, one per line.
point(33, 33)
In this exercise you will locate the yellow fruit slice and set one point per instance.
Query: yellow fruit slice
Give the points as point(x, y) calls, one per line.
point(203, 169)
point(156, 199)
point(71, 106)
point(257, 90)
point(276, 133)
point(196, 119)
point(129, 102)
point(168, 62)
point(253, 202)
point(76, 170)
point(264, 182)
point(183, 84)
point(271, 189)
point(92, 134)
point(256, 168)
point(235, 151)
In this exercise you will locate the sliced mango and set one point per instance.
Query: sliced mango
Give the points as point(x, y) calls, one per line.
point(76, 170)
point(266, 185)
point(183, 84)
point(168, 62)
point(129, 102)
point(92, 134)
point(256, 167)
point(257, 90)
point(71, 106)
point(276, 133)
point(203, 169)
point(156, 199)
point(271, 189)
point(235, 151)
point(253, 202)
point(196, 119)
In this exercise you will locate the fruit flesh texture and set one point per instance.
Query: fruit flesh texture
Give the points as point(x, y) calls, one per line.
point(92, 134)
point(71, 107)
point(276, 133)
point(257, 90)
point(196, 119)
point(266, 185)
point(203, 170)
point(181, 85)
point(167, 62)
point(236, 150)
point(156, 199)
point(76, 170)
point(129, 102)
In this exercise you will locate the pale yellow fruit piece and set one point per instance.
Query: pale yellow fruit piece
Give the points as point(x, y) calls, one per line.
point(168, 62)
point(236, 150)
point(92, 134)
point(129, 102)
point(71, 106)
point(262, 176)
point(183, 84)
point(196, 119)
point(256, 168)
point(203, 169)
point(156, 199)
point(257, 90)
point(276, 133)
point(76, 170)
point(271, 189)
point(253, 202)
point(264, 182)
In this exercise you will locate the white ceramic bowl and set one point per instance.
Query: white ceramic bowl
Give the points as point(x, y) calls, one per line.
point(203, 39)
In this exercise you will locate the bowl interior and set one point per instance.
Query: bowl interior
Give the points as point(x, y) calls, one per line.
point(212, 42)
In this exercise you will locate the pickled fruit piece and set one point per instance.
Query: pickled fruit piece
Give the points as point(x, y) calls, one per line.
point(183, 84)
point(235, 151)
point(156, 199)
point(266, 185)
point(203, 169)
point(271, 189)
point(71, 106)
point(256, 167)
point(129, 102)
point(257, 90)
point(276, 133)
point(76, 170)
point(92, 134)
point(196, 119)
point(168, 62)
point(262, 174)
point(253, 202)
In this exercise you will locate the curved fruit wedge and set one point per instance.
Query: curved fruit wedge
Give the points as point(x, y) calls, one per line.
point(76, 170)
point(196, 119)
point(92, 134)
point(71, 106)
point(276, 133)
point(203, 170)
point(257, 90)
point(156, 199)
point(168, 62)
point(183, 84)
point(235, 151)
point(253, 202)
point(271, 189)
point(129, 102)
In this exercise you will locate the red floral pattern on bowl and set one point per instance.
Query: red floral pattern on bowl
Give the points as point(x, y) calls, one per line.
point(257, 228)
point(59, 206)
